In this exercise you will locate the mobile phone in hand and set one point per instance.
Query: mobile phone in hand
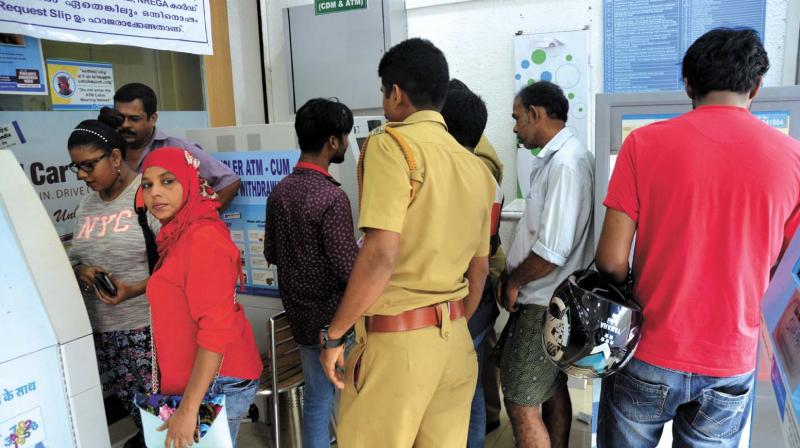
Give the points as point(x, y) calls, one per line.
point(104, 283)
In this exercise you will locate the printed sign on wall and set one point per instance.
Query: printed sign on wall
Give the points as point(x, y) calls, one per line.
point(80, 85)
point(43, 156)
point(561, 58)
point(644, 41)
point(21, 65)
point(176, 25)
point(260, 172)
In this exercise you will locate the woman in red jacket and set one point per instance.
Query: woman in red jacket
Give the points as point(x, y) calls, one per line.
point(202, 340)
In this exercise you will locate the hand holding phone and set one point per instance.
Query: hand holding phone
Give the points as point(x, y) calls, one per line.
point(104, 284)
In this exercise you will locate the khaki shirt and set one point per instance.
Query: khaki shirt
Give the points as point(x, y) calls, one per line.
point(485, 151)
point(445, 225)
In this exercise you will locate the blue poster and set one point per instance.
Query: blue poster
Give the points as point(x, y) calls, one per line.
point(780, 332)
point(260, 172)
point(645, 40)
point(21, 65)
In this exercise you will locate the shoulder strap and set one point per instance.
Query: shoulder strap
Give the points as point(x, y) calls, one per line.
point(414, 179)
point(149, 238)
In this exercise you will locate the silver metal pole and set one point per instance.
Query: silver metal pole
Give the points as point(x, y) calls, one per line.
point(275, 394)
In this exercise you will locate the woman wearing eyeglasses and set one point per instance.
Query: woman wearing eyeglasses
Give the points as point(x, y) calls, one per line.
point(108, 239)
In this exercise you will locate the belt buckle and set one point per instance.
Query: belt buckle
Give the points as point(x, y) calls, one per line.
point(439, 317)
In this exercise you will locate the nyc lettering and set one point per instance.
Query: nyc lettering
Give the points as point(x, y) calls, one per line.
point(90, 221)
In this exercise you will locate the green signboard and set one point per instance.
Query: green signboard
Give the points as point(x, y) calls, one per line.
point(331, 6)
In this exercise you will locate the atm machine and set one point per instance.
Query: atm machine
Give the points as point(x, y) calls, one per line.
point(50, 394)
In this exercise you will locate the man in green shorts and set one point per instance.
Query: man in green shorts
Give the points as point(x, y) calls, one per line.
point(554, 239)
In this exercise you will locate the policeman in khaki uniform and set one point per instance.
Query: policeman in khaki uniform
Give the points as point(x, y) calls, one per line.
point(410, 378)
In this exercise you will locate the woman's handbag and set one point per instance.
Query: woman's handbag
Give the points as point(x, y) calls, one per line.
point(212, 419)
point(212, 429)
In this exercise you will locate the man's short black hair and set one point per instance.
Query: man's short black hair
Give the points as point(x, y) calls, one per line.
point(465, 115)
point(138, 91)
point(456, 84)
point(318, 120)
point(547, 95)
point(725, 59)
point(419, 69)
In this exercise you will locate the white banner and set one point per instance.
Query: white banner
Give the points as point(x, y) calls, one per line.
point(176, 25)
point(562, 58)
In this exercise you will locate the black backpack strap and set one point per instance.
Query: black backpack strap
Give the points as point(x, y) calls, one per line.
point(149, 238)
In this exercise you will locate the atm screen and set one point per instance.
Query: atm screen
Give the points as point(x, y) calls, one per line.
point(630, 122)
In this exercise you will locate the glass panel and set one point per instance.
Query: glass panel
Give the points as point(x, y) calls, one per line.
point(175, 77)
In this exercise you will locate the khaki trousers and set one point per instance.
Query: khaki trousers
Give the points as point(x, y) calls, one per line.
point(413, 388)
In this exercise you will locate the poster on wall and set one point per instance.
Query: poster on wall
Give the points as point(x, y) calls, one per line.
point(183, 25)
point(644, 41)
point(39, 142)
point(780, 334)
point(259, 171)
point(21, 65)
point(76, 85)
point(562, 58)
point(10, 135)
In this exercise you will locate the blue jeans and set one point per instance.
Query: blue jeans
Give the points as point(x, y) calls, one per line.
point(317, 400)
point(706, 411)
point(477, 418)
point(239, 395)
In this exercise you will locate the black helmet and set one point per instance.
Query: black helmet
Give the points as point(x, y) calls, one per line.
point(591, 328)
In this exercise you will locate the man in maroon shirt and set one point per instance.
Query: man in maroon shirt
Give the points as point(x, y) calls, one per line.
point(310, 237)
point(712, 196)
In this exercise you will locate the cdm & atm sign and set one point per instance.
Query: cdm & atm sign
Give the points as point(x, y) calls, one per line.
point(331, 6)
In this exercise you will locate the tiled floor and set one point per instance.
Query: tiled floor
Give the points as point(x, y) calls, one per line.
point(257, 435)
point(766, 429)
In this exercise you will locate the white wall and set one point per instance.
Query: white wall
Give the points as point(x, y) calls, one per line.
point(476, 36)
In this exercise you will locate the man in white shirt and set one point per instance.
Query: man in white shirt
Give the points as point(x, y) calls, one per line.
point(554, 238)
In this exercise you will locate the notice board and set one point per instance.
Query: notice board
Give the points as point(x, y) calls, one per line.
point(645, 40)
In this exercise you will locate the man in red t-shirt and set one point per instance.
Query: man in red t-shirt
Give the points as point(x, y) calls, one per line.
point(712, 196)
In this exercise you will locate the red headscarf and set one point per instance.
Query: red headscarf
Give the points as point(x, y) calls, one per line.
point(197, 205)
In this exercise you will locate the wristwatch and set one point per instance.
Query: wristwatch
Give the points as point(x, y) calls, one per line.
point(327, 342)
